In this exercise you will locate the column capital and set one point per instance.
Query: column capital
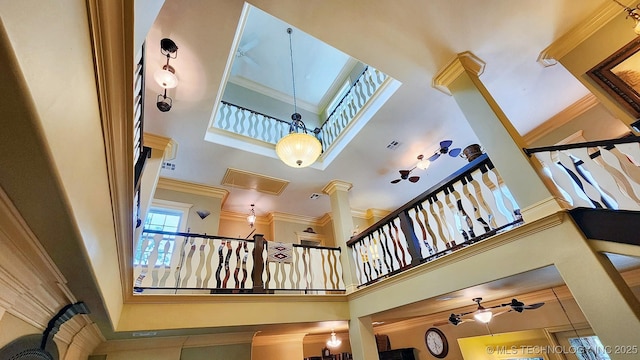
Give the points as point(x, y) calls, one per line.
point(168, 145)
point(465, 61)
point(335, 185)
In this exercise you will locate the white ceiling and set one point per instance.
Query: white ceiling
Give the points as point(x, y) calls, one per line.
point(408, 39)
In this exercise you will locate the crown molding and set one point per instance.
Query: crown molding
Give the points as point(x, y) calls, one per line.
point(335, 185)
point(268, 340)
point(574, 37)
point(300, 219)
point(192, 188)
point(573, 111)
point(325, 219)
point(465, 61)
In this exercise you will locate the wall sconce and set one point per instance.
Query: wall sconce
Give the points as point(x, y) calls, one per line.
point(166, 77)
point(251, 219)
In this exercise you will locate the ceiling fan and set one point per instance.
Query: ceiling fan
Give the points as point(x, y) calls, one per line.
point(243, 50)
point(444, 149)
point(404, 174)
point(485, 314)
point(424, 163)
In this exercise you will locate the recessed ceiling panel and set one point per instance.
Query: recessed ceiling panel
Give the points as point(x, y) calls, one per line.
point(252, 181)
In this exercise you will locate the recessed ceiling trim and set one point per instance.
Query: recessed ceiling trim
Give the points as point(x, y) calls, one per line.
point(272, 93)
point(254, 181)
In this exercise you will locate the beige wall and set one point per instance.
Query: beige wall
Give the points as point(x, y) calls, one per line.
point(208, 225)
point(313, 344)
point(597, 123)
point(12, 328)
point(290, 350)
point(222, 352)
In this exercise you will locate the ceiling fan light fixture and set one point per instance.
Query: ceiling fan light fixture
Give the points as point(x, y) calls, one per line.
point(423, 163)
point(166, 77)
point(483, 316)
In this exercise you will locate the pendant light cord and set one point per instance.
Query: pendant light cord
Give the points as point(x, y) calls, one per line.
point(293, 78)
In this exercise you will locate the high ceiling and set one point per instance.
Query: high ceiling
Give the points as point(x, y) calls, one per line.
point(409, 40)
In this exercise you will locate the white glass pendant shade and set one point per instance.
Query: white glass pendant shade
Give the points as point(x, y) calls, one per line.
point(423, 164)
point(251, 219)
point(166, 78)
point(483, 316)
point(637, 28)
point(298, 149)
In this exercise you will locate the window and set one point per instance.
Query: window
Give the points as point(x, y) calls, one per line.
point(163, 216)
point(338, 97)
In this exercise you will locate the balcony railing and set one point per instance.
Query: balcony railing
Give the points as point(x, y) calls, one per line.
point(213, 264)
point(246, 122)
point(469, 206)
point(597, 174)
point(363, 89)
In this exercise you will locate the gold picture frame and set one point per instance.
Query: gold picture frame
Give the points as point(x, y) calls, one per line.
point(619, 76)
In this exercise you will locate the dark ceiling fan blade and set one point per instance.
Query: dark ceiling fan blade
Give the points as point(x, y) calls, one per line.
point(395, 181)
point(445, 143)
point(533, 306)
point(455, 152)
point(434, 156)
point(414, 179)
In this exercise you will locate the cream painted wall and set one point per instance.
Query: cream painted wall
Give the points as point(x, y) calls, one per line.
point(147, 354)
point(280, 351)
point(12, 328)
point(238, 227)
point(208, 225)
point(221, 352)
point(313, 344)
point(597, 123)
point(285, 231)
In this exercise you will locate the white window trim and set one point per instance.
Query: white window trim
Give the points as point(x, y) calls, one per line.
point(184, 208)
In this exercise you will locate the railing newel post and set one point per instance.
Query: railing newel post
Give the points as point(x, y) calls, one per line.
point(258, 264)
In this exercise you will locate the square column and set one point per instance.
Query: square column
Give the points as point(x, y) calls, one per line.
point(363, 339)
point(460, 79)
point(338, 192)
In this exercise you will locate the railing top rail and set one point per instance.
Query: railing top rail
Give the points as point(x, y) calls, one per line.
point(598, 143)
point(216, 237)
point(345, 96)
point(463, 172)
point(256, 112)
point(193, 235)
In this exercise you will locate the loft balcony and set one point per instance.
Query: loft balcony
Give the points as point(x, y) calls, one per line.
point(247, 129)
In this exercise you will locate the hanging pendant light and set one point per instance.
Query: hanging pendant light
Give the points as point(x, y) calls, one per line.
point(166, 77)
point(251, 219)
point(298, 148)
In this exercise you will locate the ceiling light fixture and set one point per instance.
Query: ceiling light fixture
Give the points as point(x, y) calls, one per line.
point(251, 219)
point(632, 13)
point(423, 163)
point(297, 149)
point(166, 77)
point(334, 341)
point(485, 315)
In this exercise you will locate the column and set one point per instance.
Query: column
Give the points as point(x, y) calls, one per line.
point(503, 144)
point(338, 192)
point(162, 149)
point(605, 299)
point(362, 339)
